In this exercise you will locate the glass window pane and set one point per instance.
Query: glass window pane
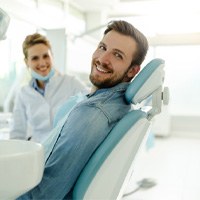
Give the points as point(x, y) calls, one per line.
point(182, 76)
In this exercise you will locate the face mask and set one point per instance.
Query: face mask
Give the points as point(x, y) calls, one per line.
point(43, 78)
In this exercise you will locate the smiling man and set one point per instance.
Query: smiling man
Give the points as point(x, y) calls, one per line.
point(111, 63)
point(115, 62)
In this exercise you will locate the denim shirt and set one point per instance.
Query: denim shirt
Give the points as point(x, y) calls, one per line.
point(85, 128)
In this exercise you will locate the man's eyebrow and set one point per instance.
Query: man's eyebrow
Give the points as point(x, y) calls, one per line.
point(102, 43)
point(116, 50)
point(119, 51)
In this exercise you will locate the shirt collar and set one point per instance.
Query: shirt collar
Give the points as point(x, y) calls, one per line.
point(34, 84)
point(118, 87)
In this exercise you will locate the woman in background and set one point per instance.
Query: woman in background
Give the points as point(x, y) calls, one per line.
point(37, 103)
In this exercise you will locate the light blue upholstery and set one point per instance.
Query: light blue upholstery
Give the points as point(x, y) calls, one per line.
point(128, 125)
point(103, 151)
point(141, 80)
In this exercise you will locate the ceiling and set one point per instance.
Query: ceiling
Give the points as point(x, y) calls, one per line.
point(154, 16)
point(164, 21)
point(167, 15)
point(114, 7)
point(139, 7)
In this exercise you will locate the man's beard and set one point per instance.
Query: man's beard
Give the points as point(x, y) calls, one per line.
point(108, 82)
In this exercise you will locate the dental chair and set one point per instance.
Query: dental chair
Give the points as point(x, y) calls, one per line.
point(108, 171)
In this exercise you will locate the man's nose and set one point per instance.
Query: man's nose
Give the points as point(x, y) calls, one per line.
point(105, 57)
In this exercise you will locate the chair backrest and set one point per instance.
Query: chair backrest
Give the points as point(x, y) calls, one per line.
point(108, 170)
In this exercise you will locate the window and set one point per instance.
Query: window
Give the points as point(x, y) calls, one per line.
point(182, 77)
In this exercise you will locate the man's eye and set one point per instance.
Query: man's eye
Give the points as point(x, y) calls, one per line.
point(118, 55)
point(102, 47)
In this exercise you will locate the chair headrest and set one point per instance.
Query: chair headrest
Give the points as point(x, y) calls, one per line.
point(146, 82)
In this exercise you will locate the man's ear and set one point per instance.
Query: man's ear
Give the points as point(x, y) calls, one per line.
point(133, 70)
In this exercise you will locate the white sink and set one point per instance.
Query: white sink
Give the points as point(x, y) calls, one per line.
point(21, 167)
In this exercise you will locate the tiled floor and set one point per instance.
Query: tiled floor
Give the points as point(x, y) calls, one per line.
point(174, 163)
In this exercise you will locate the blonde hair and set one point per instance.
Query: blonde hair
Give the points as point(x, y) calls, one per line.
point(32, 40)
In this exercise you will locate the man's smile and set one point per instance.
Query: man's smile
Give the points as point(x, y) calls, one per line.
point(102, 69)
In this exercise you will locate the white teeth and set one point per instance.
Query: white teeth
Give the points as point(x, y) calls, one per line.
point(101, 70)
